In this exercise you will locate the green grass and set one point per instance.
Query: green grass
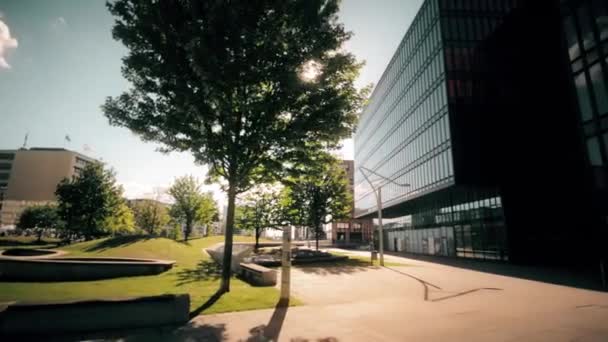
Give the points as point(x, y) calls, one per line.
point(193, 273)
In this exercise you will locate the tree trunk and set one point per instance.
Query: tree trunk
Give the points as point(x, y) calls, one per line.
point(226, 264)
point(187, 230)
point(257, 239)
point(317, 237)
point(39, 235)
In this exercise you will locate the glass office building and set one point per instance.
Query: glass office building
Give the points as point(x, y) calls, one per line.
point(475, 113)
point(586, 32)
point(407, 133)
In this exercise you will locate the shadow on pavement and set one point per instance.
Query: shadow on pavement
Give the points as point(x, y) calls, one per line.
point(118, 241)
point(205, 270)
point(582, 278)
point(272, 330)
point(348, 266)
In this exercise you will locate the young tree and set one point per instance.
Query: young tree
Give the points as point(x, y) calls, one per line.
point(191, 205)
point(240, 84)
point(121, 222)
point(87, 200)
point(39, 218)
point(259, 210)
point(150, 216)
point(322, 189)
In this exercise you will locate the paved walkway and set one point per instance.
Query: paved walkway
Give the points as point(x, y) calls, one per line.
point(422, 301)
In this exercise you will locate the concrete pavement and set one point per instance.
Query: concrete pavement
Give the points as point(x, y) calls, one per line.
point(422, 301)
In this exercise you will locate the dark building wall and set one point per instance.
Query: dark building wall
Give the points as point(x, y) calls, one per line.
point(530, 145)
point(517, 164)
point(586, 31)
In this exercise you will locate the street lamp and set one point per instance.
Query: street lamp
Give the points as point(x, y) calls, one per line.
point(378, 194)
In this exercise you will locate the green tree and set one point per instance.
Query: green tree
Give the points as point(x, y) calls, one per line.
point(150, 216)
point(240, 84)
point(39, 218)
point(322, 191)
point(191, 206)
point(259, 210)
point(87, 200)
point(122, 220)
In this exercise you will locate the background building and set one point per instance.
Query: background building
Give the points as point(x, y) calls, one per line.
point(30, 176)
point(351, 231)
point(476, 111)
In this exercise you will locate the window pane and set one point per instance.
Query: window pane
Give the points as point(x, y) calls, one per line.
point(593, 150)
point(599, 88)
point(600, 10)
point(585, 25)
point(573, 48)
point(583, 96)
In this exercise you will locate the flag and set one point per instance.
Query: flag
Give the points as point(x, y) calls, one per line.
point(67, 138)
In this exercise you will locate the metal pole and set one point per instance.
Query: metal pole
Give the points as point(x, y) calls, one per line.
point(380, 231)
point(286, 263)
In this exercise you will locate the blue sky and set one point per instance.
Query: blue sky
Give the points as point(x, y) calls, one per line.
point(66, 63)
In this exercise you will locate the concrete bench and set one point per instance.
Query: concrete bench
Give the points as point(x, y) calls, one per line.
point(84, 317)
point(258, 275)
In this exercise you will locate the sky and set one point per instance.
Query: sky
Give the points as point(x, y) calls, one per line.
point(58, 63)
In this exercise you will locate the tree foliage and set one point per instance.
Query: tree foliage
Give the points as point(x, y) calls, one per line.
point(229, 81)
point(320, 194)
point(150, 216)
point(121, 222)
point(39, 218)
point(258, 210)
point(191, 206)
point(87, 200)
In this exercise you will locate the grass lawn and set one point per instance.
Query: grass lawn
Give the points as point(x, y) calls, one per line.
point(193, 273)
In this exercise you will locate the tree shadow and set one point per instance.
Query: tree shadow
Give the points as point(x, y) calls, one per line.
point(17, 243)
point(348, 266)
point(326, 339)
point(117, 241)
point(206, 305)
point(579, 278)
point(188, 332)
point(205, 332)
point(271, 330)
point(205, 270)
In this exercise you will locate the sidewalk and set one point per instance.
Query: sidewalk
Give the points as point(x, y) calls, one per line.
point(420, 302)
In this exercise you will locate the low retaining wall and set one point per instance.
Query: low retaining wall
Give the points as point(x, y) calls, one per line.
point(258, 275)
point(75, 269)
point(37, 319)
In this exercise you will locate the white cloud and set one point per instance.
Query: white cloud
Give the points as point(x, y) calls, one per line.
point(133, 190)
point(6, 42)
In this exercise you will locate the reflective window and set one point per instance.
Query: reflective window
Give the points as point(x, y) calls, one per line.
point(599, 87)
point(572, 38)
point(600, 11)
point(586, 30)
point(583, 96)
point(593, 151)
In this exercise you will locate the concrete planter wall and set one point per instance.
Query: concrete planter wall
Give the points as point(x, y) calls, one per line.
point(75, 269)
point(37, 319)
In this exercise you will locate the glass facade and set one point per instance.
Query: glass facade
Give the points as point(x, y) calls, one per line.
point(404, 131)
point(458, 221)
point(586, 32)
point(406, 135)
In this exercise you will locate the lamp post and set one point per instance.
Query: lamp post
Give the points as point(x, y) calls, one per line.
point(378, 193)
